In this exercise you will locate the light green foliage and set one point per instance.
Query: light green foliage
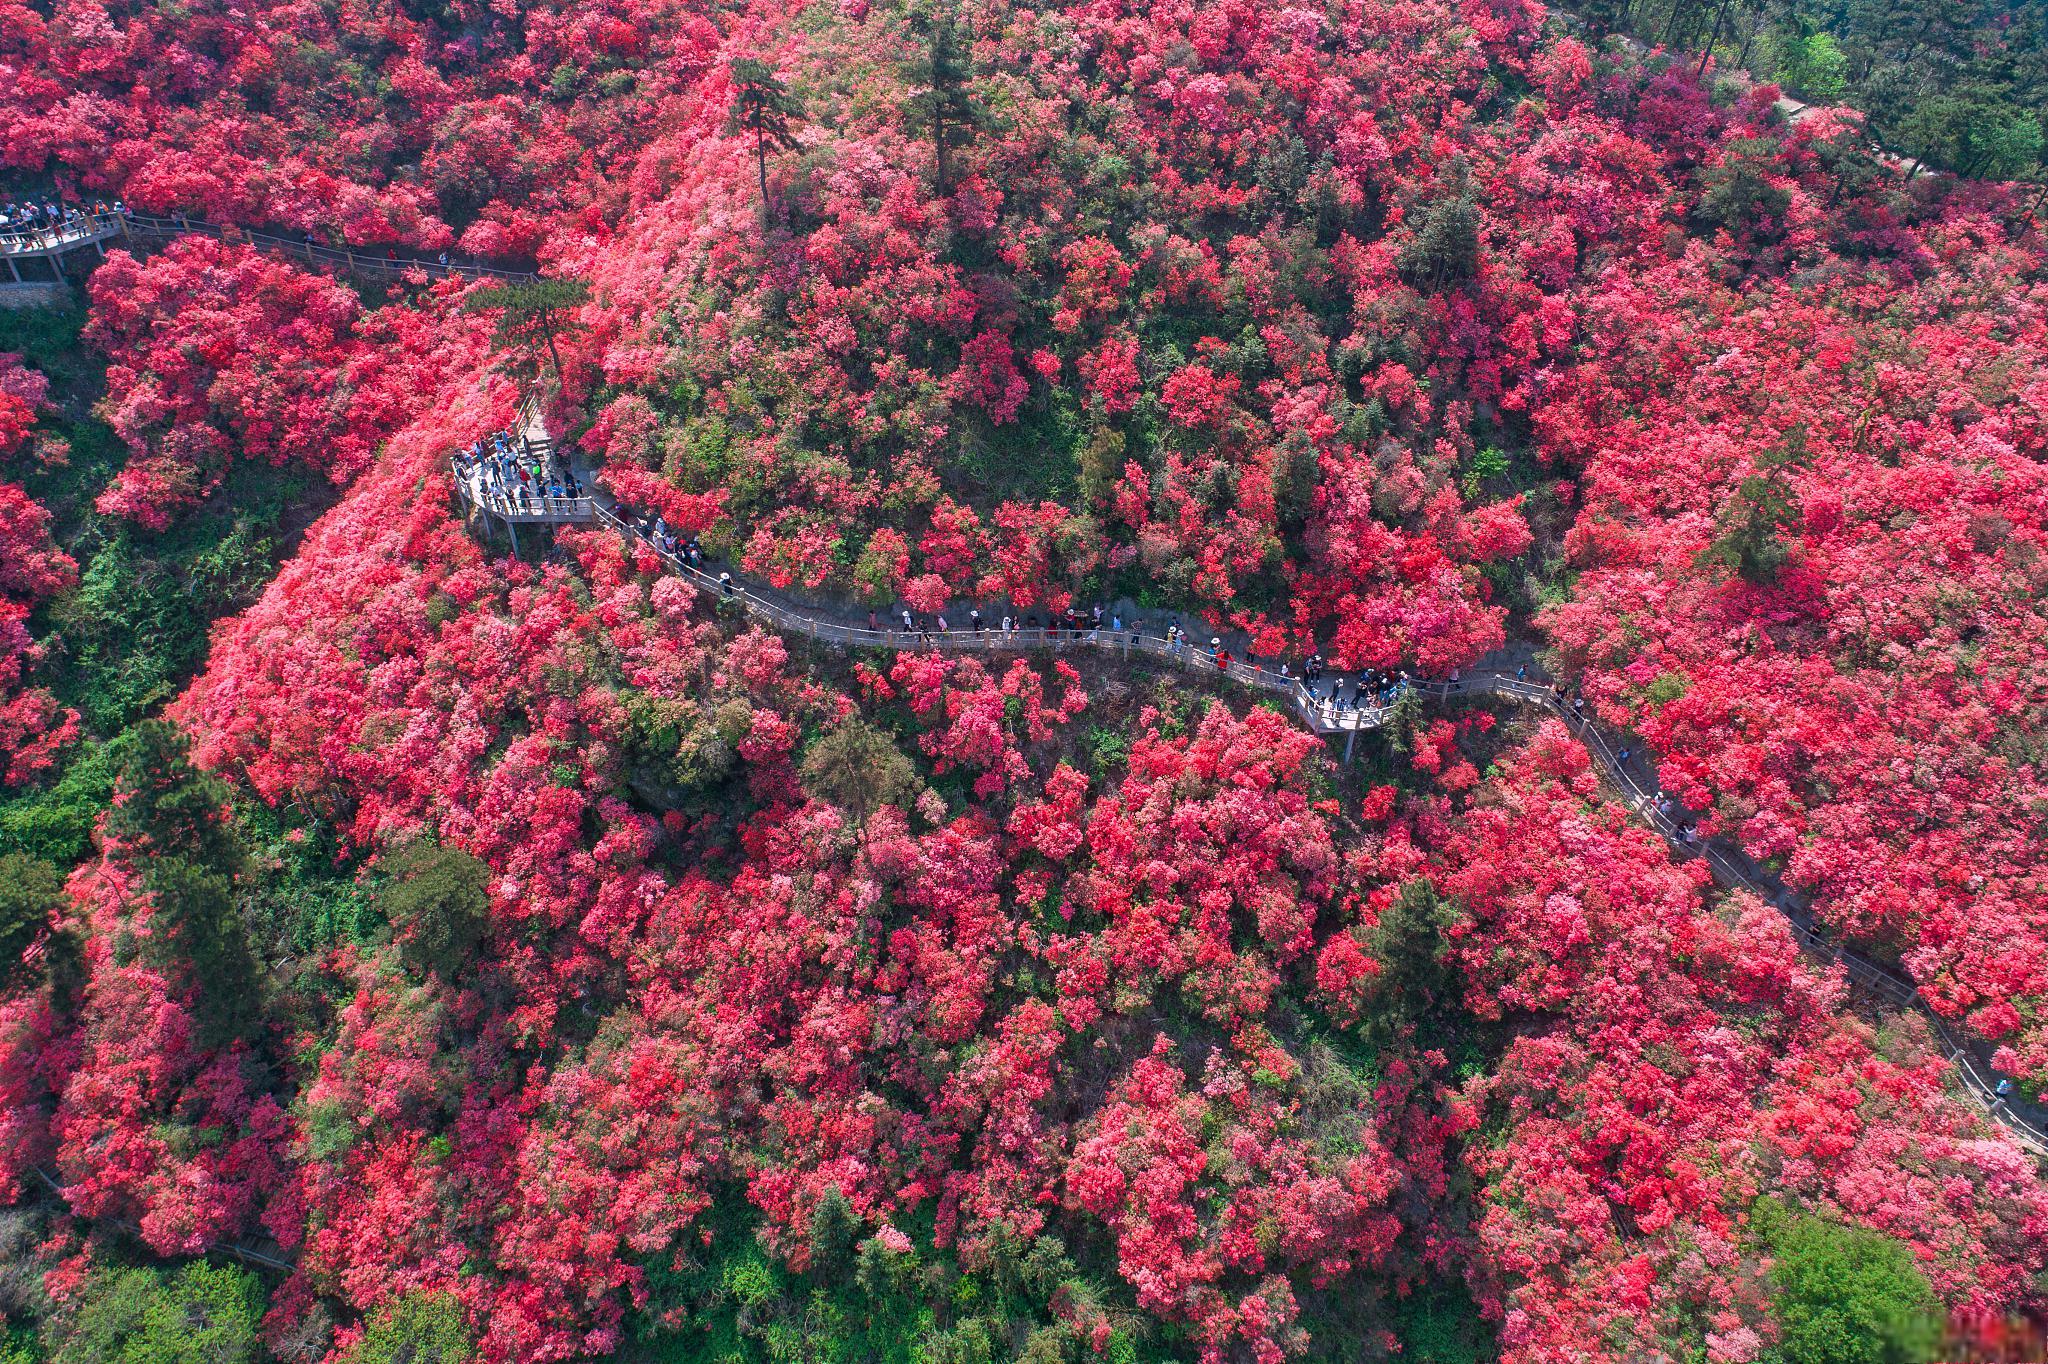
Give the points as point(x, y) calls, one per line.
point(420, 1328)
point(861, 1302)
point(1846, 1295)
point(136, 625)
point(1665, 688)
point(202, 1314)
point(1812, 65)
point(1108, 750)
point(55, 822)
point(1488, 463)
point(678, 754)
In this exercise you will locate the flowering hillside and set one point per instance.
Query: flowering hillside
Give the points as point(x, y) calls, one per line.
point(414, 950)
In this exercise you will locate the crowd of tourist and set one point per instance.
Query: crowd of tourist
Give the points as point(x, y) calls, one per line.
point(1370, 689)
point(504, 469)
point(683, 549)
point(31, 225)
point(1367, 690)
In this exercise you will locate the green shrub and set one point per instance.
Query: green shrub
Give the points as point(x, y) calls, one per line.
point(1846, 1295)
point(1666, 688)
point(31, 890)
point(56, 822)
point(438, 900)
point(203, 1314)
point(419, 1328)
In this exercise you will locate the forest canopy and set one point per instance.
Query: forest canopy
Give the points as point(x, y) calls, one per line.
point(420, 945)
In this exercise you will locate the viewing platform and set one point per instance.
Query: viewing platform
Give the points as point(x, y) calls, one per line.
point(519, 506)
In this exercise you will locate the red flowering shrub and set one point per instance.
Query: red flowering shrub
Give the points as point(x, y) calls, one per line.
point(33, 726)
point(1126, 1020)
point(1812, 552)
point(1676, 1064)
point(222, 353)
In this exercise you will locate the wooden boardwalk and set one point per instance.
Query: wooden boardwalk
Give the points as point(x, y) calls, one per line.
point(92, 231)
point(1730, 867)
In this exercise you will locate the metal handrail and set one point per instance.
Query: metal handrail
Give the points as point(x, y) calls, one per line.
point(61, 237)
point(1325, 716)
point(1322, 716)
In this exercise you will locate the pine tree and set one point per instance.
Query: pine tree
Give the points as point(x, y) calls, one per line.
point(943, 100)
point(530, 311)
point(763, 106)
point(172, 824)
point(1751, 540)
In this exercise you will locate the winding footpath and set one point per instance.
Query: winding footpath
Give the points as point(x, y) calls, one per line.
point(1731, 868)
point(95, 230)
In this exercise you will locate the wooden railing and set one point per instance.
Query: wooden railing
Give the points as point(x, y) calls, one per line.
point(1730, 868)
point(98, 228)
point(255, 1250)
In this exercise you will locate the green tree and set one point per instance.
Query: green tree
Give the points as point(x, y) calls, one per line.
point(1738, 193)
point(834, 1230)
point(173, 824)
point(31, 892)
point(165, 806)
point(1417, 980)
point(856, 767)
point(1979, 136)
point(1445, 247)
point(1750, 534)
point(762, 106)
point(419, 1328)
point(1102, 460)
point(1846, 1295)
point(203, 1314)
point(438, 901)
point(530, 312)
point(942, 99)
